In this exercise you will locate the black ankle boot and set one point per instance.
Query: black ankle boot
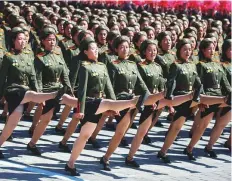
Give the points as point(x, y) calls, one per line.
point(210, 153)
point(1, 155)
point(131, 163)
point(64, 148)
point(189, 154)
point(163, 157)
point(34, 150)
point(72, 171)
point(106, 164)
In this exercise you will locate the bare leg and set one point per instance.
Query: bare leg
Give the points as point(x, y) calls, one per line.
point(30, 107)
point(175, 128)
point(37, 97)
point(218, 128)
point(11, 124)
point(86, 132)
point(196, 121)
point(200, 127)
point(119, 133)
point(41, 127)
point(64, 115)
point(153, 98)
point(37, 115)
point(100, 125)
point(210, 100)
point(70, 129)
point(141, 132)
point(154, 121)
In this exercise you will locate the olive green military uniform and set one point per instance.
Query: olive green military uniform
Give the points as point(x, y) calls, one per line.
point(182, 79)
point(228, 70)
point(107, 57)
point(214, 82)
point(102, 48)
point(94, 84)
point(125, 77)
point(195, 58)
point(6, 29)
point(59, 37)
point(71, 51)
point(17, 75)
point(51, 74)
point(2, 52)
point(65, 44)
point(135, 57)
point(165, 61)
point(2, 39)
point(152, 75)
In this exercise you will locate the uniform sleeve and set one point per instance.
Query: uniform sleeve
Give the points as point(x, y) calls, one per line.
point(162, 81)
point(140, 85)
point(65, 78)
point(32, 79)
point(83, 82)
point(225, 84)
point(103, 58)
point(112, 74)
point(200, 71)
point(109, 91)
point(3, 74)
point(39, 71)
point(74, 68)
point(171, 81)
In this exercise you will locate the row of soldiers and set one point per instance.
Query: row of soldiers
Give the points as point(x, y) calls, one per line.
point(76, 33)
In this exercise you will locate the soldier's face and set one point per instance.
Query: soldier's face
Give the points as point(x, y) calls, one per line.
point(123, 50)
point(151, 52)
point(173, 36)
point(193, 42)
point(49, 42)
point(151, 35)
point(20, 41)
point(157, 29)
point(209, 51)
point(84, 24)
point(61, 28)
point(166, 43)
point(140, 41)
point(68, 29)
point(102, 37)
point(200, 33)
point(29, 17)
point(185, 52)
point(130, 35)
point(92, 52)
point(114, 28)
point(228, 53)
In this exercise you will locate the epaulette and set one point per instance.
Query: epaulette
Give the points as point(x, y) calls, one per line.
point(8, 54)
point(41, 54)
point(177, 61)
point(142, 63)
point(116, 61)
point(202, 61)
point(172, 52)
point(84, 63)
point(100, 63)
point(131, 61)
point(26, 51)
point(195, 53)
point(72, 47)
point(64, 40)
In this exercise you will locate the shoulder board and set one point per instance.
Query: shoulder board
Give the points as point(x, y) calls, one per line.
point(8, 54)
point(58, 35)
point(72, 47)
point(195, 53)
point(116, 61)
point(100, 63)
point(131, 62)
point(216, 53)
point(202, 61)
point(26, 51)
point(56, 52)
point(41, 54)
point(142, 63)
point(64, 40)
point(177, 61)
point(84, 63)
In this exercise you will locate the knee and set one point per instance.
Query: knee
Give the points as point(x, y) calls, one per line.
point(85, 136)
point(31, 93)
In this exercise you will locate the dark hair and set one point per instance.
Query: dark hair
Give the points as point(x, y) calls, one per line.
point(119, 40)
point(225, 46)
point(137, 36)
point(14, 33)
point(205, 43)
point(161, 36)
point(179, 45)
point(144, 46)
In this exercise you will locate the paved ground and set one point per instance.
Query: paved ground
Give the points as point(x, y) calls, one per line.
point(20, 165)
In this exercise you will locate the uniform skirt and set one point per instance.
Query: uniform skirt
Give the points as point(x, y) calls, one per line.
point(14, 95)
point(91, 107)
point(212, 109)
point(182, 110)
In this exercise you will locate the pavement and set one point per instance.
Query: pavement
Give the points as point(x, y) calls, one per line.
point(19, 164)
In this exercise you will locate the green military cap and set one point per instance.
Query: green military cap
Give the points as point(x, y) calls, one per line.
point(144, 46)
point(82, 19)
point(66, 23)
point(189, 35)
point(61, 21)
point(125, 30)
point(120, 39)
point(180, 44)
point(15, 31)
point(138, 35)
point(100, 28)
point(143, 19)
point(47, 31)
point(148, 28)
point(85, 43)
point(20, 20)
point(190, 29)
point(82, 34)
point(123, 19)
point(76, 29)
point(211, 35)
point(112, 35)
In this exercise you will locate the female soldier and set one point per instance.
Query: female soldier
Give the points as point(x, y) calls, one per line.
point(183, 76)
point(101, 35)
point(226, 64)
point(51, 74)
point(215, 83)
point(151, 73)
point(17, 77)
point(94, 84)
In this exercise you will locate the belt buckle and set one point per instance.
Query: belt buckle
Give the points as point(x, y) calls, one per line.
point(190, 87)
point(130, 91)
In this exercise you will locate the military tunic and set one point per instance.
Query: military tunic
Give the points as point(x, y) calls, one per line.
point(102, 48)
point(65, 44)
point(17, 75)
point(228, 70)
point(165, 61)
point(107, 57)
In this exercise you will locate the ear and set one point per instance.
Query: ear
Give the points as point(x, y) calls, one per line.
point(85, 52)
